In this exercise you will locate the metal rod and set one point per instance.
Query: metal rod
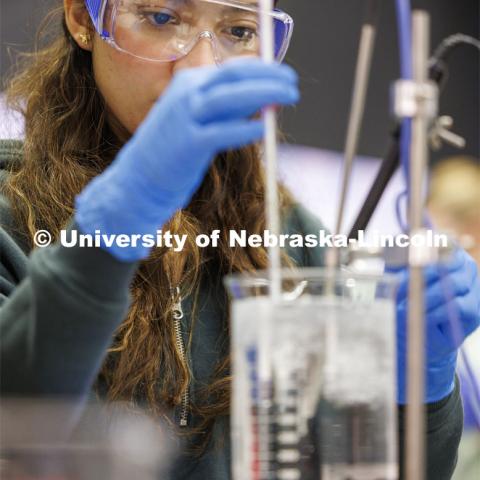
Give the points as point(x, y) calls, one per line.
point(271, 152)
point(415, 426)
point(273, 225)
point(357, 109)
point(362, 75)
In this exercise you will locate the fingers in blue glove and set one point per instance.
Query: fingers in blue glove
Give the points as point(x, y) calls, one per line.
point(432, 273)
point(447, 285)
point(452, 304)
point(466, 308)
point(243, 99)
point(235, 133)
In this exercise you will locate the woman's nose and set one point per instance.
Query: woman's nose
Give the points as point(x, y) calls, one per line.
point(202, 54)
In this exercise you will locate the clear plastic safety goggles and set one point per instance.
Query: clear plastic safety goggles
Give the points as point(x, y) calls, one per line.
point(167, 30)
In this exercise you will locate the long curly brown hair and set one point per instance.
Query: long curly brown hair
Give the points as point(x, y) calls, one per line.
point(68, 141)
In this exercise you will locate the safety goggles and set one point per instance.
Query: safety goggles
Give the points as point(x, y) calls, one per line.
point(167, 30)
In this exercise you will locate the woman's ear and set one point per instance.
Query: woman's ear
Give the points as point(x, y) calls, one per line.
point(78, 23)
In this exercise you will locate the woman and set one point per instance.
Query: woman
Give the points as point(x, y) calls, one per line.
point(128, 118)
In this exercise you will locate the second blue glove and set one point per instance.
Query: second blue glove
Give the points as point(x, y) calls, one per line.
point(452, 310)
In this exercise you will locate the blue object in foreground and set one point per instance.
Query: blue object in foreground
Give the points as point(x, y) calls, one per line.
point(452, 305)
point(204, 111)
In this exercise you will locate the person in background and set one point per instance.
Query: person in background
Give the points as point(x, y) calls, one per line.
point(454, 204)
point(454, 200)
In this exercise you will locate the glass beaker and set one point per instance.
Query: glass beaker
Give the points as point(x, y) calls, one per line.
point(314, 376)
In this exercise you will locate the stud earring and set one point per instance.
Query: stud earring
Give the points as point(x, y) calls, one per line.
point(84, 38)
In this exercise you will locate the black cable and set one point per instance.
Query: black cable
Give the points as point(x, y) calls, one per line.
point(387, 169)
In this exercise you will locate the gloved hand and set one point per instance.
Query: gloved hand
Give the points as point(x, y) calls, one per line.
point(203, 112)
point(450, 290)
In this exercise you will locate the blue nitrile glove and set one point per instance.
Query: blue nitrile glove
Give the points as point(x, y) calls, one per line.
point(458, 294)
point(203, 112)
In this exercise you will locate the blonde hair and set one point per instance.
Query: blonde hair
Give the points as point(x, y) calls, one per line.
point(455, 190)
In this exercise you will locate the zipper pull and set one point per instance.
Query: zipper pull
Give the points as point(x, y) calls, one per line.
point(177, 309)
point(183, 420)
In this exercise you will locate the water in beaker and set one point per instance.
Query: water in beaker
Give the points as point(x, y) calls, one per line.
point(314, 398)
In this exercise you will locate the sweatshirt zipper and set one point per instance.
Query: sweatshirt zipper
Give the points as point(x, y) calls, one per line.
point(178, 314)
